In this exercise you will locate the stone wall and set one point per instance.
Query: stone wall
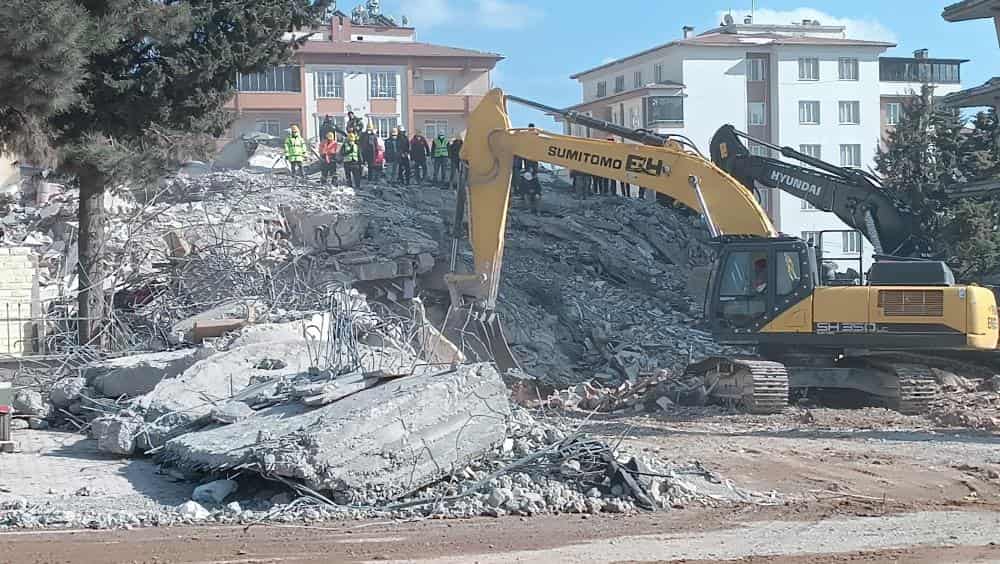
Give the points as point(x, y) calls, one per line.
point(18, 300)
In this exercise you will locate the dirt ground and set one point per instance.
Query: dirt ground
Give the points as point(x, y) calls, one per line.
point(863, 485)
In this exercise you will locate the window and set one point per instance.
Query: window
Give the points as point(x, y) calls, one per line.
point(620, 84)
point(893, 111)
point(814, 151)
point(338, 121)
point(384, 125)
point(664, 109)
point(633, 118)
point(756, 113)
point(806, 206)
point(637, 82)
point(811, 237)
point(809, 113)
point(602, 89)
point(850, 155)
point(432, 127)
point(382, 85)
point(744, 288)
point(759, 150)
point(848, 69)
point(787, 275)
point(269, 126)
point(329, 84)
point(756, 69)
point(852, 242)
point(430, 87)
point(850, 113)
point(277, 79)
point(808, 69)
point(658, 74)
point(913, 70)
point(764, 197)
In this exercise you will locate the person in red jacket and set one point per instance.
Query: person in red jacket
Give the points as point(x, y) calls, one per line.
point(328, 149)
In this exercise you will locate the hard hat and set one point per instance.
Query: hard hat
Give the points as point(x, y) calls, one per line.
point(331, 136)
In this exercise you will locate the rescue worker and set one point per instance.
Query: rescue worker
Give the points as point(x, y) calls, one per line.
point(327, 126)
point(403, 144)
point(531, 187)
point(369, 146)
point(328, 149)
point(581, 184)
point(440, 154)
point(760, 276)
point(295, 151)
point(354, 123)
point(375, 171)
point(455, 155)
point(352, 162)
point(419, 150)
point(392, 154)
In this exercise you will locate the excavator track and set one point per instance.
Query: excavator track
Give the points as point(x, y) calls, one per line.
point(757, 386)
point(917, 386)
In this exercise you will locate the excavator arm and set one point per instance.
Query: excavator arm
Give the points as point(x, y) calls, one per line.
point(490, 147)
point(658, 164)
point(852, 195)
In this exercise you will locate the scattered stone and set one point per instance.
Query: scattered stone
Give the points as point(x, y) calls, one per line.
point(117, 434)
point(231, 412)
point(19, 424)
point(30, 402)
point(66, 391)
point(193, 511)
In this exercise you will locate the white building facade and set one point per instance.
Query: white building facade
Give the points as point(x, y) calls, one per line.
point(805, 86)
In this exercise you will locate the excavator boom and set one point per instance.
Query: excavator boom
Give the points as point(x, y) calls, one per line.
point(491, 145)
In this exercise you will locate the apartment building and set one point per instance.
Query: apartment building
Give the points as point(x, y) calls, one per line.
point(803, 85)
point(370, 66)
point(988, 93)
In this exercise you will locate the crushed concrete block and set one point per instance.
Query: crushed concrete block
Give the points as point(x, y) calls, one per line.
point(231, 412)
point(117, 435)
point(325, 231)
point(380, 442)
point(376, 271)
point(66, 391)
point(214, 492)
point(243, 309)
point(135, 375)
point(207, 329)
point(193, 511)
point(30, 402)
point(234, 507)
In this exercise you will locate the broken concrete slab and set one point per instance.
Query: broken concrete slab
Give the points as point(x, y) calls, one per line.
point(243, 309)
point(208, 329)
point(214, 492)
point(135, 375)
point(66, 391)
point(231, 412)
point(378, 443)
point(29, 402)
point(325, 231)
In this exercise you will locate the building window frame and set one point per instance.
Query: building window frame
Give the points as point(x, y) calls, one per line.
point(270, 126)
point(851, 242)
point(756, 69)
point(672, 115)
point(659, 74)
point(619, 83)
point(329, 84)
point(811, 237)
point(809, 112)
point(383, 85)
point(637, 79)
point(282, 78)
point(434, 126)
point(814, 150)
point(850, 155)
point(602, 88)
point(383, 125)
point(756, 113)
point(848, 68)
point(429, 82)
point(850, 112)
point(893, 113)
point(808, 69)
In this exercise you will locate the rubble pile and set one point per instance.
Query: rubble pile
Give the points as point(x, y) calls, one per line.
point(968, 402)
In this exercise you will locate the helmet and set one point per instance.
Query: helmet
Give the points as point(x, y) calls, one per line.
point(331, 136)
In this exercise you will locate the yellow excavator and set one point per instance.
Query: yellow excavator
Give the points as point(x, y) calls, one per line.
point(766, 290)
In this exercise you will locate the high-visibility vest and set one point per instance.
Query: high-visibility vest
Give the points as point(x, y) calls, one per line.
point(295, 148)
point(440, 147)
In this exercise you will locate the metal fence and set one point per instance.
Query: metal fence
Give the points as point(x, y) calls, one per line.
point(51, 328)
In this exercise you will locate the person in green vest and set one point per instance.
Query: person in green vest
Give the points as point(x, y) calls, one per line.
point(440, 154)
point(295, 151)
point(352, 161)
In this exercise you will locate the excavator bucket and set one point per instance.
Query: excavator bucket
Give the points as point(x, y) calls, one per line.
point(479, 335)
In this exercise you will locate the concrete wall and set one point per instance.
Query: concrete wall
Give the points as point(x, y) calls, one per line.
point(18, 300)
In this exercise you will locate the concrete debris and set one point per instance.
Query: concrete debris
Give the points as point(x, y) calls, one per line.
point(214, 492)
point(135, 375)
point(66, 391)
point(117, 434)
point(30, 402)
point(231, 412)
point(193, 511)
point(379, 443)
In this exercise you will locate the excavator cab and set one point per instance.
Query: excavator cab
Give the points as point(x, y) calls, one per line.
point(754, 281)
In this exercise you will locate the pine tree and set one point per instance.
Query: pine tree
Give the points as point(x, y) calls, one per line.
point(118, 90)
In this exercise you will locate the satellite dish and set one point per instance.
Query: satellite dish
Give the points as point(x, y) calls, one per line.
point(728, 20)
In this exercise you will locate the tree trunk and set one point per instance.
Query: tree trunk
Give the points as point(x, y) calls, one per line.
point(92, 301)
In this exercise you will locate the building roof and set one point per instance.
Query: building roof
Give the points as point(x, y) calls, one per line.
point(971, 10)
point(393, 49)
point(985, 95)
point(723, 39)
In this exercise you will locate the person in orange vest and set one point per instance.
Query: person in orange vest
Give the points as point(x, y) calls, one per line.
point(328, 157)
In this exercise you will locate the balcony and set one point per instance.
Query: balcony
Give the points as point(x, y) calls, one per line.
point(266, 101)
point(444, 103)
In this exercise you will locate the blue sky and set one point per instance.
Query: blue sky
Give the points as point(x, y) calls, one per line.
point(545, 41)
